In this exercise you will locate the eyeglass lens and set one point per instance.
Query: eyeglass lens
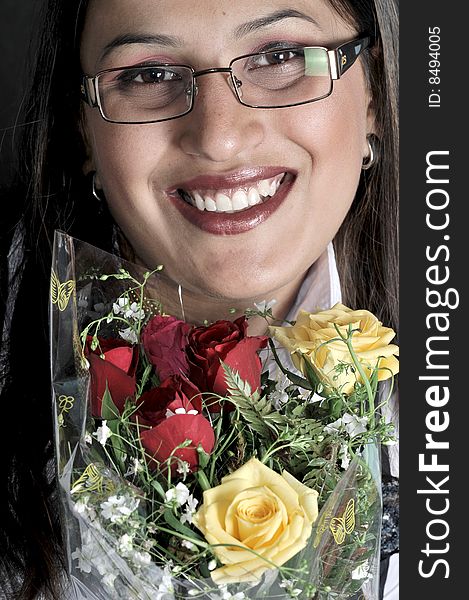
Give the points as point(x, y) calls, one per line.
point(270, 79)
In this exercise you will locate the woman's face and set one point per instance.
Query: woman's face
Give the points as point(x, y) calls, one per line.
point(222, 148)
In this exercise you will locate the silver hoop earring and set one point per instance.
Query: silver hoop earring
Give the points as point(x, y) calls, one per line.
point(94, 188)
point(369, 161)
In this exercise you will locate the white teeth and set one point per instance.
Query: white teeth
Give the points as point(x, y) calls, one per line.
point(199, 201)
point(264, 187)
point(210, 204)
point(236, 199)
point(253, 197)
point(223, 203)
point(239, 200)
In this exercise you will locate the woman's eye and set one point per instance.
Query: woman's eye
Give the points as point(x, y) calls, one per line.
point(279, 57)
point(154, 75)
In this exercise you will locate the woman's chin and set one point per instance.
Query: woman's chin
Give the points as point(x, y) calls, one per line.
point(238, 294)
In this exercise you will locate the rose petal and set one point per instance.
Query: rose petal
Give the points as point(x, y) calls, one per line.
point(160, 441)
point(120, 385)
point(120, 357)
point(243, 359)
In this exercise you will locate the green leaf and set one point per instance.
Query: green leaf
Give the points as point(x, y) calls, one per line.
point(311, 373)
point(175, 524)
point(109, 410)
point(296, 379)
point(156, 485)
point(117, 442)
point(204, 458)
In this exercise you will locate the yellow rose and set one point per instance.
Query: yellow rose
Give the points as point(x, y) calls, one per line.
point(307, 340)
point(256, 509)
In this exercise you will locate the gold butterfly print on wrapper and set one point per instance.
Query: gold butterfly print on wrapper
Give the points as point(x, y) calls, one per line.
point(60, 293)
point(340, 526)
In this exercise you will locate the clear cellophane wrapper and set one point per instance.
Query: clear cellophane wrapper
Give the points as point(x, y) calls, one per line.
point(97, 567)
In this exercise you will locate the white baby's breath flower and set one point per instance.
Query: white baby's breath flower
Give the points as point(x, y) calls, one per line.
point(289, 585)
point(84, 562)
point(191, 506)
point(264, 306)
point(126, 544)
point(178, 495)
point(135, 467)
point(88, 439)
point(103, 433)
point(166, 585)
point(279, 396)
point(352, 424)
point(192, 503)
point(334, 427)
point(129, 335)
point(82, 507)
point(316, 398)
point(361, 571)
point(129, 310)
point(133, 311)
point(189, 545)
point(227, 595)
point(212, 565)
point(183, 468)
point(140, 558)
point(119, 306)
point(344, 456)
point(117, 508)
point(90, 554)
point(109, 579)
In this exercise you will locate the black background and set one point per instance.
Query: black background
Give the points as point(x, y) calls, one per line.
point(422, 130)
point(16, 30)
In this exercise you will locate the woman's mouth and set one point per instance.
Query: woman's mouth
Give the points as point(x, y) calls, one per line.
point(233, 200)
point(232, 204)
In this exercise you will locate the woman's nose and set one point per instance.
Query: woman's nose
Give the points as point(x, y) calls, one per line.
point(219, 128)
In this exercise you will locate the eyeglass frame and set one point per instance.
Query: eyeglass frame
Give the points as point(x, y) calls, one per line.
point(340, 59)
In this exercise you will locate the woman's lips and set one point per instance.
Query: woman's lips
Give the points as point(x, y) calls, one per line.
point(219, 204)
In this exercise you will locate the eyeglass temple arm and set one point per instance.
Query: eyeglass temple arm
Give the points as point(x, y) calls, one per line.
point(87, 91)
point(344, 56)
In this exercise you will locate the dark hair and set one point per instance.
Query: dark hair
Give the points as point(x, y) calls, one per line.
point(367, 243)
point(52, 192)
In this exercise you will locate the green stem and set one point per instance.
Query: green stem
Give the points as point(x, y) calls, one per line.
point(202, 479)
point(183, 537)
point(366, 381)
point(273, 450)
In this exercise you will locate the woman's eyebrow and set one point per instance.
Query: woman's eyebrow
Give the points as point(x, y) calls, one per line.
point(174, 42)
point(137, 38)
point(274, 17)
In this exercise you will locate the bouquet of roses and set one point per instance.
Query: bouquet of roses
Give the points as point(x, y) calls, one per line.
point(200, 461)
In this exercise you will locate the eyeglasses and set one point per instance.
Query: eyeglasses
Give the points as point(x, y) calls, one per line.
point(280, 78)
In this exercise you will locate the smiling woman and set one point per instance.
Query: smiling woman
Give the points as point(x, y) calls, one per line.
point(250, 149)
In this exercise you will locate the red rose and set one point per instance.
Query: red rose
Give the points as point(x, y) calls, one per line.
point(224, 341)
point(160, 441)
point(176, 392)
point(116, 370)
point(165, 341)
